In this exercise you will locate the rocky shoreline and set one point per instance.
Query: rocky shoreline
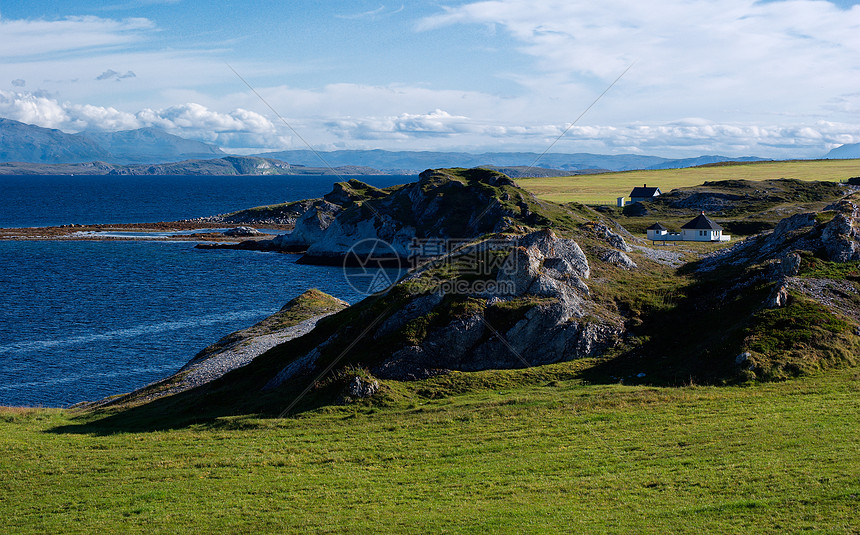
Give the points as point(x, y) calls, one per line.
point(191, 231)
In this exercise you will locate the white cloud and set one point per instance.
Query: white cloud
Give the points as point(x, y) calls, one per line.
point(32, 108)
point(240, 127)
point(372, 14)
point(111, 74)
point(689, 137)
point(38, 37)
point(719, 58)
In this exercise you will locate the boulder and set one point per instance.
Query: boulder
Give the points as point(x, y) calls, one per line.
point(360, 388)
point(242, 231)
point(618, 258)
point(779, 297)
point(613, 238)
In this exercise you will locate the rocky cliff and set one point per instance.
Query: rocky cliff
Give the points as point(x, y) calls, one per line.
point(532, 284)
point(448, 204)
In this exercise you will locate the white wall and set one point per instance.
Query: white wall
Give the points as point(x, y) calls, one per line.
point(701, 235)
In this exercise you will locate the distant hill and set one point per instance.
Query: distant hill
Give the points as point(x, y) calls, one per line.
point(416, 161)
point(21, 142)
point(228, 165)
point(703, 160)
point(148, 145)
point(844, 152)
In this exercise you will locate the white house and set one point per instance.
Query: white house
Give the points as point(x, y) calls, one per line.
point(702, 228)
point(640, 194)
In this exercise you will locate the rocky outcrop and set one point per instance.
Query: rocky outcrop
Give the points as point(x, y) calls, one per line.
point(441, 205)
point(612, 238)
point(841, 238)
point(548, 332)
point(242, 232)
point(359, 388)
point(309, 227)
point(618, 258)
point(708, 202)
point(538, 312)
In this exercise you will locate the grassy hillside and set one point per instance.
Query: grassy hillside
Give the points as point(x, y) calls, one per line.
point(548, 456)
point(606, 187)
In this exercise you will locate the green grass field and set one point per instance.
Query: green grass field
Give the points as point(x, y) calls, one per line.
point(543, 457)
point(606, 187)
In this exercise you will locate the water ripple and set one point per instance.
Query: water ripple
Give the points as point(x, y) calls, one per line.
point(213, 319)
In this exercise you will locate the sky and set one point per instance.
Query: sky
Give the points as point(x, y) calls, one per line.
point(775, 79)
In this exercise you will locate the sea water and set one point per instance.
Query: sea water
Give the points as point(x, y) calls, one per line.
point(81, 320)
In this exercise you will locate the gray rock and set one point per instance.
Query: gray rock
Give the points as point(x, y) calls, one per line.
point(793, 223)
point(840, 239)
point(311, 225)
point(300, 366)
point(779, 297)
point(551, 246)
point(519, 270)
point(618, 258)
point(360, 388)
point(242, 231)
point(614, 239)
point(790, 265)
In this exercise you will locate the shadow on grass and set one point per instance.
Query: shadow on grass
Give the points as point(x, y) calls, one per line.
point(693, 341)
point(207, 407)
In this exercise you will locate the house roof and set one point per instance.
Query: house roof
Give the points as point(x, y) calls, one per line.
point(645, 191)
point(702, 222)
point(656, 226)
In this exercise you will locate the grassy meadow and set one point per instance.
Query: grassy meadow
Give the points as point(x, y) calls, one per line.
point(606, 187)
point(518, 451)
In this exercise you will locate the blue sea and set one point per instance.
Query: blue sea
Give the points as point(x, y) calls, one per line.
point(84, 320)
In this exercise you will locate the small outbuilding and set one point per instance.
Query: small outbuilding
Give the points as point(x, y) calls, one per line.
point(702, 228)
point(644, 193)
point(656, 232)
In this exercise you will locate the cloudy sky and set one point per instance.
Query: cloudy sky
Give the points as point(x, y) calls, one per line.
point(776, 78)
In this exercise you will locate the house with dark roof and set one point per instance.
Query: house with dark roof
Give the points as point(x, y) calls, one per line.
point(702, 228)
point(644, 193)
point(656, 232)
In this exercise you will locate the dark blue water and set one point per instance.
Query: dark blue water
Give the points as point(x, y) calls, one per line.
point(84, 320)
point(40, 201)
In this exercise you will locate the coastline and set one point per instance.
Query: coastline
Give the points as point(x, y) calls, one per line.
point(191, 231)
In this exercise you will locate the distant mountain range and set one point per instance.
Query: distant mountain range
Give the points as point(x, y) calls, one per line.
point(228, 165)
point(30, 144)
point(21, 142)
point(414, 161)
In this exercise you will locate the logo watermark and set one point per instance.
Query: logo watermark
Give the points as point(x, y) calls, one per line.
point(372, 266)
